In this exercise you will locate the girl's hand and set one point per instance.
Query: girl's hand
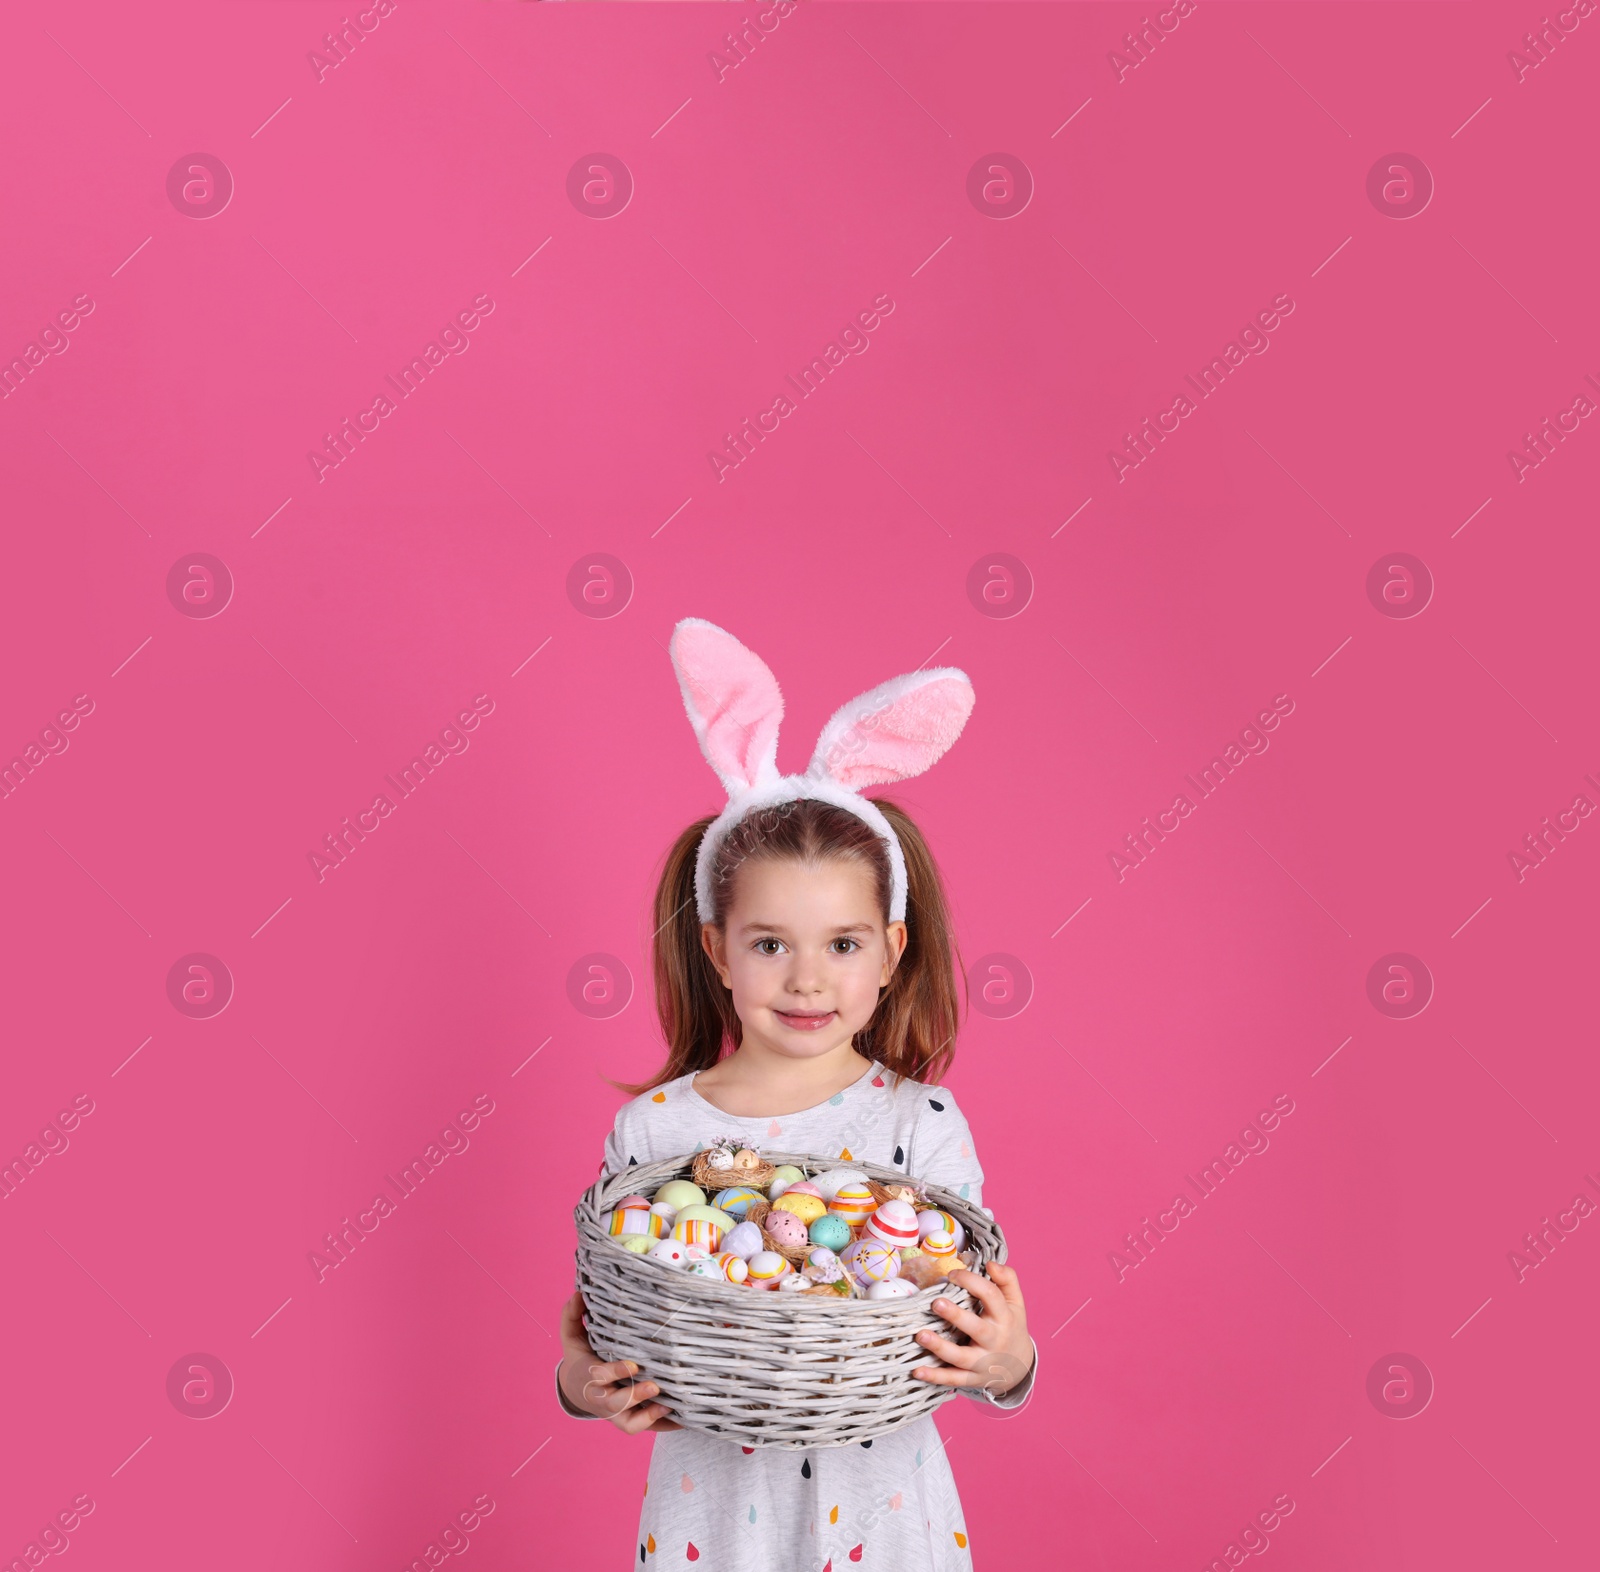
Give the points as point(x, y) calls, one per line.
point(1000, 1353)
point(608, 1390)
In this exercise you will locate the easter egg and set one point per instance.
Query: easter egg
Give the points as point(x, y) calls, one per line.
point(804, 1187)
point(834, 1232)
point(794, 1283)
point(894, 1288)
point(895, 1223)
point(744, 1239)
point(640, 1244)
point(634, 1220)
point(633, 1200)
point(699, 1231)
point(766, 1267)
point(830, 1183)
point(706, 1268)
point(734, 1268)
point(854, 1203)
point(870, 1261)
point(666, 1213)
point(711, 1214)
point(669, 1252)
point(680, 1192)
point(786, 1228)
point(808, 1208)
point(933, 1221)
point(736, 1202)
point(785, 1176)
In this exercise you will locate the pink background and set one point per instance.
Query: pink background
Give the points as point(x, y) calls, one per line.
point(1166, 610)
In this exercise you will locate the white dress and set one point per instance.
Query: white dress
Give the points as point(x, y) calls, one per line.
point(889, 1503)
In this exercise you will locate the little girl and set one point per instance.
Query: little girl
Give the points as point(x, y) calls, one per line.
point(807, 927)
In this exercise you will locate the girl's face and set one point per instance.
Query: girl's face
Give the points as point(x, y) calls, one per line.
point(804, 950)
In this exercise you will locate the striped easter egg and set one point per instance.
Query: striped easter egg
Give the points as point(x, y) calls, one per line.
point(698, 1231)
point(933, 1220)
point(895, 1223)
point(734, 1267)
point(766, 1267)
point(854, 1203)
point(635, 1220)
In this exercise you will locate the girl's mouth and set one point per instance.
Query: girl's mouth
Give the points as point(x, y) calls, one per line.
point(806, 1021)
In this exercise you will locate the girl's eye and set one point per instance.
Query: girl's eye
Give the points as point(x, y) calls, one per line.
point(853, 946)
point(761, 943)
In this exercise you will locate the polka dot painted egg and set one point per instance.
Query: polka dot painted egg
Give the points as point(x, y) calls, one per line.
point(707, 1268)
point(808, 1208)
point(635, 1220)
point(935, 1221)
point(870, 1261)
point(854, 1203)
point(737, 1201)
point(785, 1228)
point(670, 1252)
point(766, 1267)
point(894, 1288)
point(698, 1231)
point(895, 1223)
point(830, 1231)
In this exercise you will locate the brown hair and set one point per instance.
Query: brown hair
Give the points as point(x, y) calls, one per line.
point(913, 1030)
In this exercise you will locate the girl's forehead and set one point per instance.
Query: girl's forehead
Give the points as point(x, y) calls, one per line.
point(835, 891)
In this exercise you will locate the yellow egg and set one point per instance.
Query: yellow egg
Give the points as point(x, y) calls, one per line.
point(808, 1208)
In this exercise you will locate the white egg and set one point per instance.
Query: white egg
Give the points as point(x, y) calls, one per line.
point(829, 1184)
point(895, 1288)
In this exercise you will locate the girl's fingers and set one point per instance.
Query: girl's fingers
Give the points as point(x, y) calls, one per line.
point(963, 1355)
point(1006, 1277)
point(964, 1319)
point(943, 1375)
point(988, 1294)
point(573, 1333)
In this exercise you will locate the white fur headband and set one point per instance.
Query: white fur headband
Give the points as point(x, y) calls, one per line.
point(891, 733)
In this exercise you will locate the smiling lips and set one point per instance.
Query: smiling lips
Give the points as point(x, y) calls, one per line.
point(805, 1021)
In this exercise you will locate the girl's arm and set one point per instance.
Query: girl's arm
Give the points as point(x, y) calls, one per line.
point(1003, 1357)
point(586, 1387)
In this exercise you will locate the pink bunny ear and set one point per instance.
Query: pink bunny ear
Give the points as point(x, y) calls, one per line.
point(895, 731)
point(733, 701)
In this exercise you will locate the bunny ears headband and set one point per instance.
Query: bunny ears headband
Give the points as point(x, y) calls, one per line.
point(891, 733)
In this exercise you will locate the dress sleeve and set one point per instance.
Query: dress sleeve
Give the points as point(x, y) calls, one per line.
point(942, 1153)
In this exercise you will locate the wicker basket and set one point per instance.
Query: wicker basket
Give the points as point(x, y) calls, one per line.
point(759, 1367)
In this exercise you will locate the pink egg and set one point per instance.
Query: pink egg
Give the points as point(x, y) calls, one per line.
point(805, 1187)
point(786, 1228)
point(634, 1200)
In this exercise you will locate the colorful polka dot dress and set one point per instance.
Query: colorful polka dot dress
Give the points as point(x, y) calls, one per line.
point(889, 1503)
